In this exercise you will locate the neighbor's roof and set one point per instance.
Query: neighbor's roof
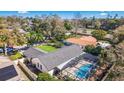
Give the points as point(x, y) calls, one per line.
point(121, 45)
point(8, 72)
point(83, 41)
point(109, 36)
point(33, 53)
point(120, 28)
point(53, 59)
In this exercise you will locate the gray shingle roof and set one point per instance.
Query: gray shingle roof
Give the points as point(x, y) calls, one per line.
point(56, 58)
point(33, 53)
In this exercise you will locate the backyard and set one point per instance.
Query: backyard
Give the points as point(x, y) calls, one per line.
point(46, 48)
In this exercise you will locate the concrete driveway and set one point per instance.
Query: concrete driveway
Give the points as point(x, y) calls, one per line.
point(4, 59)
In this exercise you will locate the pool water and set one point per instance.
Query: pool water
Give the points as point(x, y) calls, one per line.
point(83, 71)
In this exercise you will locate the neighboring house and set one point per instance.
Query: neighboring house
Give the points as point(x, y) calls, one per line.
point(54, 61)
point(83, 41)
point(104, 44)
point(109, 37)
point(22, 31)
point(68, 33)
point(82, 31)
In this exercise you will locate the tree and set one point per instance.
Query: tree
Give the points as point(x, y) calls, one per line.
point(46, 29)
point(119, 34)
point(97, 24)
point(34, 37)
point(17, 38)
point(45, 77)
point(77, 19)
point(93, 50)
point(99, 34)
point(11, 38)
point(67, 25)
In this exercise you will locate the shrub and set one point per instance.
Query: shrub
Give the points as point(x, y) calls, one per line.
point(67, 78)
point(16, 56)
point(58, 45)
point(45, 77)
point(55, 43)
point(93, 50)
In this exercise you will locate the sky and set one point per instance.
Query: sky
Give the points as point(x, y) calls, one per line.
point(62, 14)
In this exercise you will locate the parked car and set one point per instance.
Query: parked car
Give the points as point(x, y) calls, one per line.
point(1, 50)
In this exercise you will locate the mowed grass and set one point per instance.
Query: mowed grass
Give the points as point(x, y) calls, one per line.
point(47, 48)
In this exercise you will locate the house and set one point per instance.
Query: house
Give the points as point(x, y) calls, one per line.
point(104, 44)
point(22, 31)
point(53, 61)
point(82, 31)
point(32, 53)
point(83, 41)
point(108, 36)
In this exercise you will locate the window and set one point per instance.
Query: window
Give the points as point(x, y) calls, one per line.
point(40, 66)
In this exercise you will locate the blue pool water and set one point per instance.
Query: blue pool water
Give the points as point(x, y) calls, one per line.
point(83, 71)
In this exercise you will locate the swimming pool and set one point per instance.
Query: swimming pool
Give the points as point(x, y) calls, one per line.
point(83, 71)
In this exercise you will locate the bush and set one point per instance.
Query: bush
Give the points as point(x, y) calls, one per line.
point(58, 45)
point(67, 78)
point(16, 56)
point(99, 34)
point(45, 77)
point(93, 50)
point(55, 43)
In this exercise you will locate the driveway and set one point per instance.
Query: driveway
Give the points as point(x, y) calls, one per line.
point(4, 59)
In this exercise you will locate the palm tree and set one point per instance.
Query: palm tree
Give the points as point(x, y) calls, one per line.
point(39, 37)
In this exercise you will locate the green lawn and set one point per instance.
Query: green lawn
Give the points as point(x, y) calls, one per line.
point(46, 48)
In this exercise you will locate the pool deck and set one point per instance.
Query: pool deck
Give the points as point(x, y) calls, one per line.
point(70, 71)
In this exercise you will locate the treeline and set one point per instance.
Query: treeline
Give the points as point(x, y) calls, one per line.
point(51, 27)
